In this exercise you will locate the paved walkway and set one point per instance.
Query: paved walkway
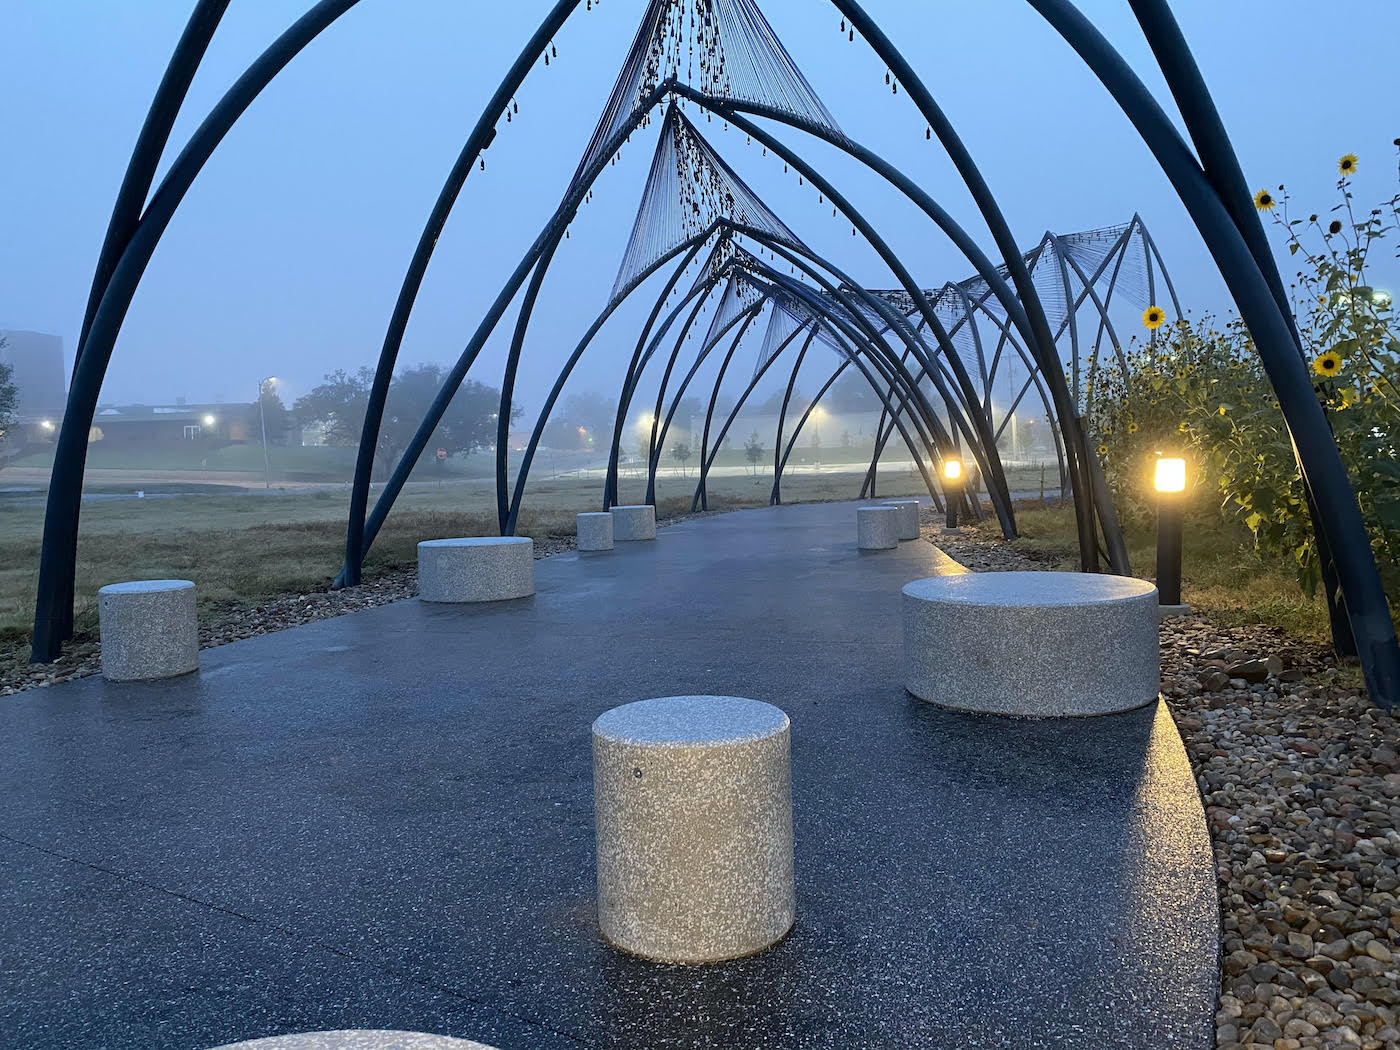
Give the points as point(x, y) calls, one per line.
point(385, 821)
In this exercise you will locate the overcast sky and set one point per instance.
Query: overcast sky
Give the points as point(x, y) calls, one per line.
point(286, 257)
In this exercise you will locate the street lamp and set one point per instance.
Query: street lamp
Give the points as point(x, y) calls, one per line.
point(209, 421)
point(263, 385)
point(1170, 483)
point(952, 488)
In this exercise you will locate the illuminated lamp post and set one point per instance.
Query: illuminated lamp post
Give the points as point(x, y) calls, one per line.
point(952, 488)
point(263, 386)
point(1170, 482)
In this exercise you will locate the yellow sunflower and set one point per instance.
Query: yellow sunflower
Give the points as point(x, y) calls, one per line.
point(1132, 428)
point(1153, 317)
point(1264, 200)
point(1103, 450)
point(1328, 364)
point(1182, 428)
point(1347, 165)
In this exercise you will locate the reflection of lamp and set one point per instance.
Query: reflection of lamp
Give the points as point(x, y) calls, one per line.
point(1170, 482)
point(952, 488)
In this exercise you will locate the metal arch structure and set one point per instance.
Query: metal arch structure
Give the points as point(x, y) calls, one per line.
point(1204, 172)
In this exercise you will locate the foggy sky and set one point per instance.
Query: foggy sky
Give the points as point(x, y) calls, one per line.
point(286, 257)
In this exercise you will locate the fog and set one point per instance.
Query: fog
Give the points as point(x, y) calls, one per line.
point(287, 255)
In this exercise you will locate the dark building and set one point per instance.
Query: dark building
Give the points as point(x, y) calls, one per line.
point(37, 360)
point(147, 425)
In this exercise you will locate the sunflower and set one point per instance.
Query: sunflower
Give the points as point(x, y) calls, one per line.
point(1264, 200)
point(1222, 410)
point(1347, 165)
point(1132, 428)
point(1182, 428)
point(1103, 450)
point(1328, 364)
point(1153, 317)
point(1334, 227)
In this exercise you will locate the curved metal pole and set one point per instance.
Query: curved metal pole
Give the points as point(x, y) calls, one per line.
point(150, 146)
point(739, 404)
point(775, 496)
point(53, 611)
point(747, 317)
point(691, 248)
point(1338, 521)
point(479, 140)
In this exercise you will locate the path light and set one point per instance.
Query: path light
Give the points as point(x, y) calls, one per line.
point(952, 488)
point(1170, 482)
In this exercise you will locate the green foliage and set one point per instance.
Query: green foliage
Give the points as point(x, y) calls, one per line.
point(1198, 390)
point(9, 394)
point(753, 451)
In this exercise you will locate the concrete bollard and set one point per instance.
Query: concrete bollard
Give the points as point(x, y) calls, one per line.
point(693, 812)
point(149, 629)
point(908, 510)
point(877, 528)
point(595, 532)
point(631, 524)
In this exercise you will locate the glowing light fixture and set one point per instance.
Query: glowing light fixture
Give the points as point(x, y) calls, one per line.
point(1171, 475)
point(209, 421)
point(952, 488)
point(952, 469)
point(1170, 482)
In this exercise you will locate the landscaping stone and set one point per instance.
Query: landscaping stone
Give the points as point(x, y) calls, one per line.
point(693, 811)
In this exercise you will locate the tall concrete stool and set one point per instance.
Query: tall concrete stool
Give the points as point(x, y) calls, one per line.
point(1044, 644)
point(595, 532)
point(908, 517)
point(693, 811)
point(149, 629)
point(631, 524)
point(877, 528)
point(480, 569)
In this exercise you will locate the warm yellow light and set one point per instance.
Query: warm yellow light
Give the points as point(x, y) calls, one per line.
point(209, 421)
point(952, 469)
point(1171, 475)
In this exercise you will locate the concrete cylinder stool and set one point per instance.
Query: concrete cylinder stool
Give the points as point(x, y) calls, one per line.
point(1042, 644)
point(482, 569)
point(877, 528)
point(908, 510)
point(631, 524)
point(149, 629)
point(693, 810)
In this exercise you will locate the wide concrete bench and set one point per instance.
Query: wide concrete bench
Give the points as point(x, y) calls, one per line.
point(877, 528)
point(632, 524)
point(1045, 644)
point(595, 532)
point(908, 510)
point(149, 629)
point(479, 569)
point(693, 812)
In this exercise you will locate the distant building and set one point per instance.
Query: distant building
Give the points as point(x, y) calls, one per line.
point(37, 360)
point(146, 425)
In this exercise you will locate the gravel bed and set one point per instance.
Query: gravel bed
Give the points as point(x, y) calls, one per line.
point(1301, 784)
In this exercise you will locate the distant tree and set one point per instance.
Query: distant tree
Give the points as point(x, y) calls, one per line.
point(845, 439)
point(584, 421)
point(339, 405)
point(274, 414)
point(680, 452)
point(753, 452)
point(850, 395)
point(774, 404)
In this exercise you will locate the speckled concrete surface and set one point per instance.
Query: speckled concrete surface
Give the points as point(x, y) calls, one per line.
point(693, 810)
point(356, 1039)
point(386, 821)
point(877, 528)
point(908, 520)
point(149, 628)
point(595, 532)
point(633, 524)
point(1039, 644)
point(480, 569)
